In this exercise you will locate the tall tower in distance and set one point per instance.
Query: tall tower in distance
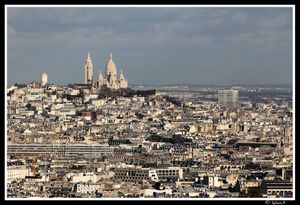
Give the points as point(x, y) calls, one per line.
point(44, 79)
point(228, 98)
point(88, 70)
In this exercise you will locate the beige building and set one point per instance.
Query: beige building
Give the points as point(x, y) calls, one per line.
point(228, 98)
point(88, 70)
point(140, 174)
point(44, 79)
point(111, 79)
point(16, 172)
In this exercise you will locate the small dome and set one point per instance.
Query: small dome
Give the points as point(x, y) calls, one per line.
point(111, 66)
point(44, 78)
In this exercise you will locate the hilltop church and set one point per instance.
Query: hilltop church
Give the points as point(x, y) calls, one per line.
point(111, 78)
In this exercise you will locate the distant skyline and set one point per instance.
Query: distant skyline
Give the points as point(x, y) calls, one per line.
point(217, 46)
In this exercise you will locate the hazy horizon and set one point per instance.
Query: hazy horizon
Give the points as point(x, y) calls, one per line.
point(179, 84)
point(201, 46)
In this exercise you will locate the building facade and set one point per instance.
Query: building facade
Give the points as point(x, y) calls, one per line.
point(111, 79)
point(16, 172)
point(88, 70)
point(228, 98)
point(44, 79)
point(140, 174)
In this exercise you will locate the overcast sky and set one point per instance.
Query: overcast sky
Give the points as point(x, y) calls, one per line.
point(152, 45)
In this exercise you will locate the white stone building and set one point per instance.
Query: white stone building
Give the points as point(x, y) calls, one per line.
point(87, 187)
point(88, 70)
point(111, 79)
point(16, 172)
point(44, 79)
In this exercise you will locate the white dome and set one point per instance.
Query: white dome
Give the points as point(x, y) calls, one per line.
point(44, 78)
point(111, 66)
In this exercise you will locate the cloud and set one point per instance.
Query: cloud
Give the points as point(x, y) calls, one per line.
point(190, 24)
point(202, 34)
point(11, 31)
point(276, 21)
point(239, 18)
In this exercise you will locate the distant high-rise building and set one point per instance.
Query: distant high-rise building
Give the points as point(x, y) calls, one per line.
point(228, 98)
point(44, 78)
point(88, 70)
point(288, 137)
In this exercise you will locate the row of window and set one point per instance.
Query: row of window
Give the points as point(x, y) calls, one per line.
point(168, 170)
point(130, 178)
point(58, 147)
point(10, 150)
point(86, 188)
point(125, 174)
